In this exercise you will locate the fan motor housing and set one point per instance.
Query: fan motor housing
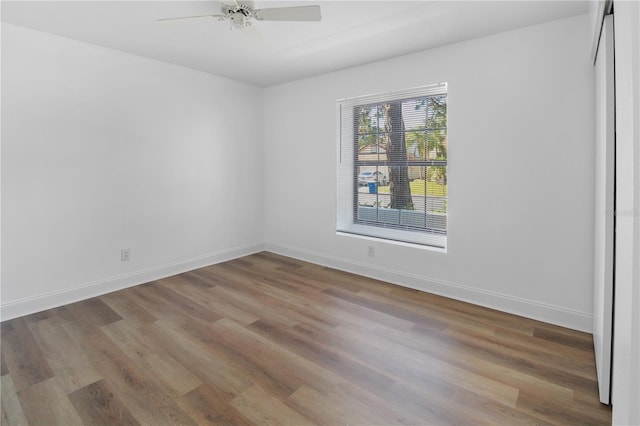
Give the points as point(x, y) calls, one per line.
point(241, 8)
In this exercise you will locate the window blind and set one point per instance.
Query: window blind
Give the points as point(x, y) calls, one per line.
point(392, 165)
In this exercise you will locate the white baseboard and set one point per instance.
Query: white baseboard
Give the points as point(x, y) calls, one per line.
point(564, 317)
point(41, 302)
point(557, 315)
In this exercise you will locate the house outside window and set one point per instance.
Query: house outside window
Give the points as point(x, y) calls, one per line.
point(392, 166)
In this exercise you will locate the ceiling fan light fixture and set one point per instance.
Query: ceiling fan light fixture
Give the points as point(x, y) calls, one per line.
point(238, 20)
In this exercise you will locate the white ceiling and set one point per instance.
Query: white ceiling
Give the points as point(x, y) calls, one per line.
point(350, 33)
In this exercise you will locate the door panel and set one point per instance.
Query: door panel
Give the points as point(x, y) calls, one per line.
point(604, 209)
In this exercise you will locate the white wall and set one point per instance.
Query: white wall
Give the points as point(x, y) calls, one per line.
point(626, 346)
point(520, 172)
point(103, 150)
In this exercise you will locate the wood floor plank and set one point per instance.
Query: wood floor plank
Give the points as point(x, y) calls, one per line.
point(253, 304)
point(183, 304)
point(274, 355)
point(527, 363)
point(149, 404)
point(416, 367)
point(67, 361)
point(480, 411)
point(454, 311)
point(195, 281)
point(582, 359)
point(23, 357)
point(93, 311)
point(589, 404)
point(308, 347)
point(216, 371)
point(12, 414)
point(287, 296)
point(123, 305)
point(105, 356)
point(177, 378)
point(266, 339)
point(351, 303)
point(492, 368)
point(258, 358)
point(276, 261)
point(208, 405)
point(341, 407)
point(576, 340)
point(494, 345)
point(4, 370)
point(263, 409)
point(204, 297)
point(441, 310)
point(46, 403)
point(431, 406)
point(321, 410)
point(96, 404)
point(282, 284)
point(145, 296)
point(548, 410)
point(163, 302)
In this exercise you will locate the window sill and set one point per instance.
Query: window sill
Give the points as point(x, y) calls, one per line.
point(418, 246)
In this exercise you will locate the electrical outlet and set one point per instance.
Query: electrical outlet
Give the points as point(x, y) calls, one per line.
point(371, 251)
point(125, 255)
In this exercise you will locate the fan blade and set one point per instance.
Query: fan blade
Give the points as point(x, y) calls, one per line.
point(296, 13)
point(193, 17)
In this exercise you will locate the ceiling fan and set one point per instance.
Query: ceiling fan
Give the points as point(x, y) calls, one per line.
point(240, 15)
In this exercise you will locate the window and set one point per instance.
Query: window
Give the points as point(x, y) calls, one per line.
point(392, 166)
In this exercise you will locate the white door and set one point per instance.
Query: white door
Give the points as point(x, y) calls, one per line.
point(604, 213)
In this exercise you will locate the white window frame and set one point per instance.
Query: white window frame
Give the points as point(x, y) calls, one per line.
point(346, 223)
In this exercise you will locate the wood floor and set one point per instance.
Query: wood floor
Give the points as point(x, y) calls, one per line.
point(270, 340)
